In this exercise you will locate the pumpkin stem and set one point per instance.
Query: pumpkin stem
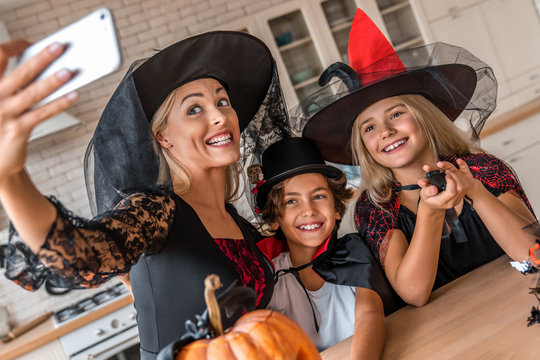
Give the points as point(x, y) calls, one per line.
point(211, 284)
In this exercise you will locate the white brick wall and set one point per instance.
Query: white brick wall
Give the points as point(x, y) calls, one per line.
point(55, 162)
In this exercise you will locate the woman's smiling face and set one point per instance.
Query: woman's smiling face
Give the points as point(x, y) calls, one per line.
point(202, 127)
point(392, 135)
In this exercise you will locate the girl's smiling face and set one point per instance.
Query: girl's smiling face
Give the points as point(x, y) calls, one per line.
point(392, 135)
point(308, 214)
point(202, 127)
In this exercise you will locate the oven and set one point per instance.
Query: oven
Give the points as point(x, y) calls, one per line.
point(112, 337)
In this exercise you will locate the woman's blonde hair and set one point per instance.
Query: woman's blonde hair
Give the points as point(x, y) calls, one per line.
point(180, 175)
point(443, 136)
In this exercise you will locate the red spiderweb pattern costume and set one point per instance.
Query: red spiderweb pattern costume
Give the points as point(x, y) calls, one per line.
point(374, 222)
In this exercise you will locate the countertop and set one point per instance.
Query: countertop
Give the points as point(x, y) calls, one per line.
point(500, 122)
point(481, 315)
point(47, 332)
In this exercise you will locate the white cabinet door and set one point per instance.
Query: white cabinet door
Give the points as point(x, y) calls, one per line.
point(527, 168)
point(519, 145)
point(514, 27)
point(468, 29)
point(50, 351)
point(436, 9)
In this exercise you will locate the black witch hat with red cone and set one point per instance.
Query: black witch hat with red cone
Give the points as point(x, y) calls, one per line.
point(455, 81)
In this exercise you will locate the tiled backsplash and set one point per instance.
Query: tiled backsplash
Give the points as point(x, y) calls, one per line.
point(55, 162)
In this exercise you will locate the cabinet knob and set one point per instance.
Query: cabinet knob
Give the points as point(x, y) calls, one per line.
point(99, 332)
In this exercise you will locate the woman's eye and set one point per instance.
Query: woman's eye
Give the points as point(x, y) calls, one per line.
point(290, 202)
point(368, 128)
point(319, 197)
point(223, 102)
point(396, 114)
point(194, 110)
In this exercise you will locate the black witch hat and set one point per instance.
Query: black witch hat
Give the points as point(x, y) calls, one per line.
point(124, 156)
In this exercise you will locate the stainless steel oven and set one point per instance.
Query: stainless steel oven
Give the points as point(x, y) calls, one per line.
point(112, 337)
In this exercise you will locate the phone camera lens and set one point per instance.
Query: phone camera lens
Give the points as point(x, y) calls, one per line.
point(102, 16)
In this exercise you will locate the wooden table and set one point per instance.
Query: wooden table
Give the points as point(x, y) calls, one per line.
point(482, 315)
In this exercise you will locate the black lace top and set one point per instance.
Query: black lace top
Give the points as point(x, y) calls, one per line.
point(86, 253)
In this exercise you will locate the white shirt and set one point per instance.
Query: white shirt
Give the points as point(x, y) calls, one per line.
point(333, 305)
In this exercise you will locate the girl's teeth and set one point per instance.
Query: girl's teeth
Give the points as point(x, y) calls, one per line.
point(393, 146)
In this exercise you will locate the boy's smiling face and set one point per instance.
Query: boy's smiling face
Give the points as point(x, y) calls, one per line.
point(308, 213)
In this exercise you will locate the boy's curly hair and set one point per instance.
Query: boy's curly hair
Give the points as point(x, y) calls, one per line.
point(274, 202)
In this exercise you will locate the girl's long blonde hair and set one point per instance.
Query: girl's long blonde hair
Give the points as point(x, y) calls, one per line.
point(443, 137)
point(180, 175)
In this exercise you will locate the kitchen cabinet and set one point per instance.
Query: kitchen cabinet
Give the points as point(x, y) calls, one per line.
point(306, 36)
point(503, 33)
point(397, 19)
point(519, 146)
point(50, 351)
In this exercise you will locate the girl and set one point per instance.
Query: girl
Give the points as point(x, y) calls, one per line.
point(400, 110)
point(165, 220)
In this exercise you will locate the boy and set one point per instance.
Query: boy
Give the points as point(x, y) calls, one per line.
point(302, 199)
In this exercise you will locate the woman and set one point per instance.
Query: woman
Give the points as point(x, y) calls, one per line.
point(161, 170)
point(397, 119)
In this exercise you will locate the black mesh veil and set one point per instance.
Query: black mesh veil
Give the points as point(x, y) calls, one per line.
point(123, 155)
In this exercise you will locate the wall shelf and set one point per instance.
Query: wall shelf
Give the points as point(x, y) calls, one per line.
point(394, 8)
point(306, 83)
point(295, 44)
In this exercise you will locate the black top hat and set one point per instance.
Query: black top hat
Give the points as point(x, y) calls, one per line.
point(450, 77)
point(290, 157)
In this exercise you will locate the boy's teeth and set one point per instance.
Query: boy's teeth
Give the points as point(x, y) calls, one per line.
point(394, 145)
point(309, 227)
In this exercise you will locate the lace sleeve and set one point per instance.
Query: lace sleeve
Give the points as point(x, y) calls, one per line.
point(375, 222)
point(88, 252)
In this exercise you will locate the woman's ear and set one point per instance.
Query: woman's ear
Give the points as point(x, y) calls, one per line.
point(163, 140)
point(338, 216)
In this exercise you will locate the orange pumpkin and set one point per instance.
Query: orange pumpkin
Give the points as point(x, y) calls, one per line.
point(257, 335)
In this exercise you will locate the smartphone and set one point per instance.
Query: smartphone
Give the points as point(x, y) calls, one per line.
point(92, 51)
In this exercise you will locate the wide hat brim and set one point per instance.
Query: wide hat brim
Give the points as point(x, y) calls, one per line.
point(240, 61)
point(449, 87)
point(263, 190)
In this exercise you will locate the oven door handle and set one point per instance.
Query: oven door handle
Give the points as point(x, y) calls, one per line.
point(95, 356)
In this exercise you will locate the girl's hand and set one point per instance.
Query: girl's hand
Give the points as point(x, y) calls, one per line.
point(458, 183)
point(18, 93)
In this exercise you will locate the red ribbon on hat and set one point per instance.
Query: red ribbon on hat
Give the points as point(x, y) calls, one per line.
point(255, 190)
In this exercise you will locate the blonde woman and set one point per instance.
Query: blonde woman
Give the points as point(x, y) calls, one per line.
point(161, 171)
point(396, 122)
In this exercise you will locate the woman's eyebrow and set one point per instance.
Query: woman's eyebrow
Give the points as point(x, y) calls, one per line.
point(190, 95)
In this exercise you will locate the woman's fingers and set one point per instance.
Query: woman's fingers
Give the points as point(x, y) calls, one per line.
point(34, 117)
point(9, 49)
point(30, 69)
point(32, 94)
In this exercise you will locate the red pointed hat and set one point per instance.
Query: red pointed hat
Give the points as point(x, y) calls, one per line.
point(453, 79)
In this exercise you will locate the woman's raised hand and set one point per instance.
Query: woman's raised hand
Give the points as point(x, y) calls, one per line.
point(19, 93)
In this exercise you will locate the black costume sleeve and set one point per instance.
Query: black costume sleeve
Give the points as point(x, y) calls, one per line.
point(89, 252)
point(350, 262)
